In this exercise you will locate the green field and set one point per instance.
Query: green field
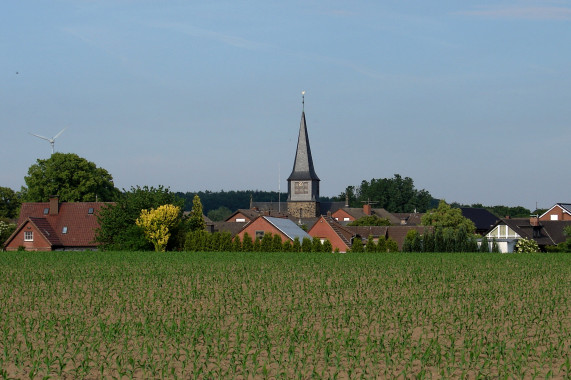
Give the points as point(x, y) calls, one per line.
point(284, 315)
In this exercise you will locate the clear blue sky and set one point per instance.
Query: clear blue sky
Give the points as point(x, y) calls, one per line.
point(472, 100)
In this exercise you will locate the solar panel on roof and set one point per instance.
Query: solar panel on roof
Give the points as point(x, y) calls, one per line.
point(289, 228)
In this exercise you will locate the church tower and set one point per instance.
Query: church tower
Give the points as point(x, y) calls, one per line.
point(303, 183)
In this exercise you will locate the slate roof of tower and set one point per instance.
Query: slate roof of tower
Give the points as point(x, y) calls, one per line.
point(303, 164)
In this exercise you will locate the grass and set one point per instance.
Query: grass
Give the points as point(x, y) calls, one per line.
point(284, 315)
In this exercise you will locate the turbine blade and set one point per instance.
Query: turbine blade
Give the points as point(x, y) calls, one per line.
point(42, 137)
point(59, 133)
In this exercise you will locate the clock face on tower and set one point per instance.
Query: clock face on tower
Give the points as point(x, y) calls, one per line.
point(301, 187)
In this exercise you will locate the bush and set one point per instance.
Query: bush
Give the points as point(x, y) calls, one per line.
point(526, 246)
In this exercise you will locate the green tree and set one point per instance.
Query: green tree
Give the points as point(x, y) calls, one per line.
point(428, 242)
point(382, 244)
point(316, 245)
point(566, 245)
point(395, 194)
point(495, 246)
point(327, 246)
point(236, 244)
point(6, 229)
point(306, 244)
point(117, 229)
point(225, 241)
point(357, 245)
point(266, 245)
point(445, 216)
point(247, 243)
point(370, 246)
point(392, 245)
point(9, 203)
point(296, 246)
point(196, 219)
point(220, 214)
point(485, 245)
point(287, 246)
point(277, 245)
point(72, 178)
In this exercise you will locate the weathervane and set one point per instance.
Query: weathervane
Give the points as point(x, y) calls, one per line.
point(303, 100)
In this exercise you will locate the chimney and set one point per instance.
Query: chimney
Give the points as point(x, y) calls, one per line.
point(346, 200)
point(367, 209)
point(54, 205)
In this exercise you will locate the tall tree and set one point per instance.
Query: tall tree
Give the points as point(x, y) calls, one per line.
point(117, 229)
point(9, 203)
point(445, 216)
point(72, 178)
point(196, 220)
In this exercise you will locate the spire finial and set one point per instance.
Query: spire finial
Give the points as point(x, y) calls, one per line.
point(303, 100)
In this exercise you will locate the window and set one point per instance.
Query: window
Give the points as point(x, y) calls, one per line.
point(46, 211)
point(259, 235)
point(64, 230)
point(346, 219)
point(28, 236)
point(555, 217)
point(90, 210)
point(240, 220)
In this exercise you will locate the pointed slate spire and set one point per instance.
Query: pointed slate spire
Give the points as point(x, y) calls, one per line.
point(303, 164)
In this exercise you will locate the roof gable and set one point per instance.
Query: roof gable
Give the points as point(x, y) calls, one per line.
point(565, 208)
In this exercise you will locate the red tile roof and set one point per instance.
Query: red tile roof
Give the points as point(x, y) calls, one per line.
point(75, 216)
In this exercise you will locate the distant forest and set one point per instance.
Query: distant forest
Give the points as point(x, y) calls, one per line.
point(233, 200)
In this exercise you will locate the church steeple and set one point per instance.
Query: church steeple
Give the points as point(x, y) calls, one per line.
point(303, 164)
point(303, 182)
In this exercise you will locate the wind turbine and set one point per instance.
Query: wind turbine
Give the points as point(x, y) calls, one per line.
point(52, 140)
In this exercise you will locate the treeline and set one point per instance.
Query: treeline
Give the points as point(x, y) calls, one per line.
point(202, 241)
point(446, 240)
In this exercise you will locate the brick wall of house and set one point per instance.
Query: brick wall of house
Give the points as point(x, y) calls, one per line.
point(558, 212)
point(321, 229)
point(341, 214)
point(260, 224)
point(39, 243)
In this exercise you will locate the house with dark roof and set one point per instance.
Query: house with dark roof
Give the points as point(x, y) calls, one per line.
point(482, 218)
point(508, 231)
point(409, 218)
point(560, 211)
point(54, 225)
